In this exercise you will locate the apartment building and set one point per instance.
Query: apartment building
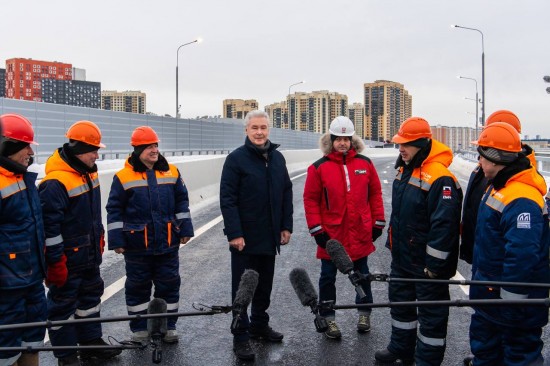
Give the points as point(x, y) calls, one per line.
point(457, 138)
point(314, 111)
point(72, 92)
point(356, 113)
point(126, 101)
point(2, 83)
point(238, 108)
point(387, 105)
point(24, 77)
point(278, 114)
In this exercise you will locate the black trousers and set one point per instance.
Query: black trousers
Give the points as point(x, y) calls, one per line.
point(265, 266)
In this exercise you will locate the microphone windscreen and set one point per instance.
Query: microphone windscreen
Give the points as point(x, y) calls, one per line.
point(157, 325)
point(338, 254)
point(245, 292)
point(303, 287)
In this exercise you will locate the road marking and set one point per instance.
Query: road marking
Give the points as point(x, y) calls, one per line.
point(464, 288)
point(118, 285)
point(386, 181)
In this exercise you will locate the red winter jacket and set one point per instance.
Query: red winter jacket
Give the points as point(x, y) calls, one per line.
point(346, 212)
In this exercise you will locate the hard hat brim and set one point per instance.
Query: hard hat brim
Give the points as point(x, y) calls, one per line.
point(400, 139)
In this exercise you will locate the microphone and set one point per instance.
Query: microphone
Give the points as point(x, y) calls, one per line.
point(157, 327)
point(308, 296)
point(244, 295)
point(343, 262)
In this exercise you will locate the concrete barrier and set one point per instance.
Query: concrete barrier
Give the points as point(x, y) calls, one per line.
point(202, 175)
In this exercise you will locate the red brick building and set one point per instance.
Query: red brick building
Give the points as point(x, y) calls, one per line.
point(24, 77)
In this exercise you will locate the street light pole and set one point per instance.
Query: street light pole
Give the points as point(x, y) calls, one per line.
point(198, 40)
point(289, 115)
point(482, 70)
point(477, 100)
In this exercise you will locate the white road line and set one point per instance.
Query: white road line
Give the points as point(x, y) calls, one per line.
point(118, 285)
point(464, 288)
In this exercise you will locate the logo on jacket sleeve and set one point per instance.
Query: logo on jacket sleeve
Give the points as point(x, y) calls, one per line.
point(524, 220)
point(447, 192)
point(360, 171)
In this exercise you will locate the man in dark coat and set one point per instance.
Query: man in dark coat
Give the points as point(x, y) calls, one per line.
point(256, 204)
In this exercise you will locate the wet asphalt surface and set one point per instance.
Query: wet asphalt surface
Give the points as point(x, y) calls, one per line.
point(205, 272)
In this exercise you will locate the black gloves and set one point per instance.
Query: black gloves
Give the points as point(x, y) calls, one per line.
point(376, 232)
point(321, 239)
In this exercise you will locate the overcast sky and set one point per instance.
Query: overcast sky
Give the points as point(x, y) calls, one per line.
point(256, 49)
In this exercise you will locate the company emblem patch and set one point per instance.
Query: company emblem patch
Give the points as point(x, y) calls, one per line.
point(343, 130)
point(360, 171)
point(447, 192)
point(524, 220)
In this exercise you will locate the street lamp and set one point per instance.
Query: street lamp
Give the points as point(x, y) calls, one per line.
point(477, 99)
point(482, 69)
point(198, 40)
point(289, 116)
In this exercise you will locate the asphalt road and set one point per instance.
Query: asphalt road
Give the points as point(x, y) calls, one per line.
point(205, 272)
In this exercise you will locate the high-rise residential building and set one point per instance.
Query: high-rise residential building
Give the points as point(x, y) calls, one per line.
point(24, 77)
point(387, 105)
point(278, 114)
point(314, 111)
point(457, 138)
point(238, 108)
point(2, 83)
point(72, 92)
point(127, 101)
point(356, 112)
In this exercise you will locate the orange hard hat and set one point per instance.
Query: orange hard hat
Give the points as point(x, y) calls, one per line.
point(144, 135)
point(17, 127)
point(504, 116)
point(500, 136)
point(85, 131)
point(412, 129)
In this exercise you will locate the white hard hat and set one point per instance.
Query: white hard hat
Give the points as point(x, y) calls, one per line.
point(341, 126)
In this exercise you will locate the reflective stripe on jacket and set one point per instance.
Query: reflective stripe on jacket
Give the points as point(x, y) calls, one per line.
point(148, 212)
point(71, 208)
point(425, 218)
point(343, 196)
point(512, 244)
point(21, 231)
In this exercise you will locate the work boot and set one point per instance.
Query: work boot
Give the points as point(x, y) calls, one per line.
point(71, 360)
point(386, 357)
point(103, 354)
point(265, 333)
point(333, 332)
point(141, 336)
point(363, 325)
point(243, 350)
point(171, 336)
point(469, 361)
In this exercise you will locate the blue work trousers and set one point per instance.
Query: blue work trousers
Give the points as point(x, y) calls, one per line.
point(144, 271)
point(327, 288)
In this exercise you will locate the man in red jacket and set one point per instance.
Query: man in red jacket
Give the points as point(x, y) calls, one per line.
point(343, 201)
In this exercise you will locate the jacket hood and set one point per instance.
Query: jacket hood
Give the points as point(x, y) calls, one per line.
point(439, 153)
point(325, 144)
point(57, 163)
point(527, 175)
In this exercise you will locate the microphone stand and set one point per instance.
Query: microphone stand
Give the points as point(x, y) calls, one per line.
point(122, 346)
point(213, 310)
point(382, 277)
point(156, 344)
point(330, 305)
